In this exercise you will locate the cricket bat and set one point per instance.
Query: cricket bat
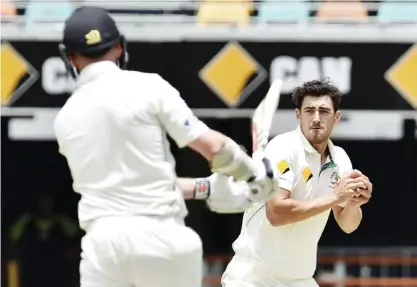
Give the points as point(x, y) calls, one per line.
point(262, 118)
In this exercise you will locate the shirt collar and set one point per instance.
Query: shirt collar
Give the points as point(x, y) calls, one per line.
point(308, 147)
point(94, 70)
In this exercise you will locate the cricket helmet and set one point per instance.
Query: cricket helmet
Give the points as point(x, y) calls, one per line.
point(90, 30)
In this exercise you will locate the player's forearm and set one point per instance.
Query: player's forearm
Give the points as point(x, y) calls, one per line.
point(288, 211)
point(194, 188)
point(221, 193)
point(225, 155)
point(209, 144)
point(187, 186)
point(348, 217)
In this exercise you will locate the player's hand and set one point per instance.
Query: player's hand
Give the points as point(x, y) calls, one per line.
point(266, 177)
point(363, 195)
point(229, 196)
point(347, 187)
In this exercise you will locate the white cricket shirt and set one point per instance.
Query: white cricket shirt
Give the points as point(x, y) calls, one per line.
point(112, 131)
point(290, 251)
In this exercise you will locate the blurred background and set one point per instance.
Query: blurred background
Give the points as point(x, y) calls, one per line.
point(221, 55)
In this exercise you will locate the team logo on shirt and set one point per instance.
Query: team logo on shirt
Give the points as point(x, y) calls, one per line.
point(93, 37)
point(334, 178)
point(283, 166)
point(190, 121)
point(307, 175)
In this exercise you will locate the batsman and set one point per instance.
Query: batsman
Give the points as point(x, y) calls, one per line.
point(113, 133)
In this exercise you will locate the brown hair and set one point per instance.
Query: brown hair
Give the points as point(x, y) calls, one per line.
point(317, 88)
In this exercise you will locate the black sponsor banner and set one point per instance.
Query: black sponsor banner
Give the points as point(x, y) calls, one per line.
point(222, 75)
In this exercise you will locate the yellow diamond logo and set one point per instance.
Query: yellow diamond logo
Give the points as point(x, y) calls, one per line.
point(233, 74)
point(17, 75)
point(403, 76)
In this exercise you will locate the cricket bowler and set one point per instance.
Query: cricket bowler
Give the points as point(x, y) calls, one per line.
point(113, 133)
point(277, 246)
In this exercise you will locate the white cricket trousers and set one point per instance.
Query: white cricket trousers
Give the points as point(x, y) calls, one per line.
point(242, 272)
point(140, 252)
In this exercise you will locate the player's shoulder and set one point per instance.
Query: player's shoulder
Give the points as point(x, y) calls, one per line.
point(142, 75)
point(64, 110)
point(69, 109)
point(340, 156)
point(59, 121)
point(150, 83)
point(288, 140)
point(147, 78)
point(284, 145)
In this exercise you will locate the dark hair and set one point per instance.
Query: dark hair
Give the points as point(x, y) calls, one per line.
point(317, 88)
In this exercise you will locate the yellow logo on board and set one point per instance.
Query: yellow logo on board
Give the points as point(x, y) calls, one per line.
point(233, 74)
point(403, 76)
point(17, 75)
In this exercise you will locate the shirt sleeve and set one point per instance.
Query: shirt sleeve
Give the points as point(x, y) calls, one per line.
point(346, 167)
point(347, 164)
point(281, 154)
point(176, 117)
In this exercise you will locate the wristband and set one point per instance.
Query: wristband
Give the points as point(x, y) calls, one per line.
point(202, 188)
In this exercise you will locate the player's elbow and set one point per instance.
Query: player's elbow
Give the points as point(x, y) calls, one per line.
point(273, 219)
point(209, 144)
point(275, 216)
point(348, 229)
